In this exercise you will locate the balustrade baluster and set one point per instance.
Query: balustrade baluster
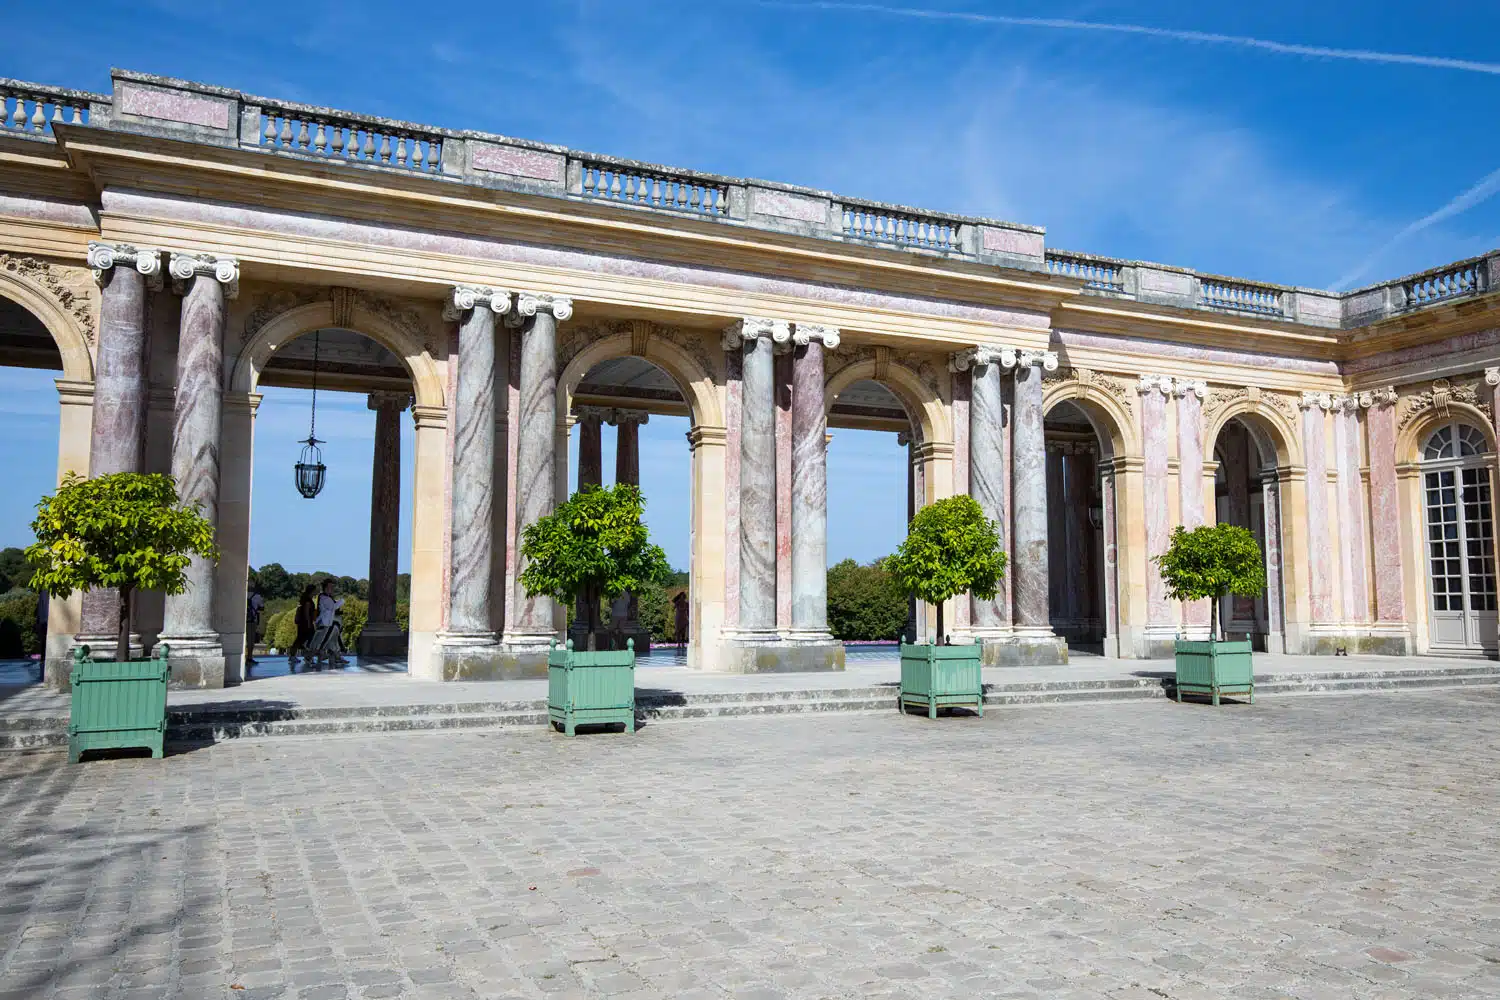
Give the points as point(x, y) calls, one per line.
point(302, 138)
point(269, 137)
point(697, 198)
point(18, 119)
point(320, 141)
point(338, 141)
point(614, 184)
point(401, 150)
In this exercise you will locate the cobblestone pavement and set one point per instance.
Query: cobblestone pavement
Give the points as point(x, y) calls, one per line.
point(1305, 847)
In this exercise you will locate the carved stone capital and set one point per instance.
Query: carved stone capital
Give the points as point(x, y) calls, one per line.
point(754, 328)
point(528, 304)
point(594, 414)
point(1046, 360)
point(623, 417)
point(1322, 400)
point(1492, 376)
point(184, 267)
point(979, 356)
point(103, 256)
point(1181, 387)
point(383, 400)
point(1148, 384)
point(903, 438)
point(806, 333)
point(466, 297)
point(1344, 403)
point(1378, 397)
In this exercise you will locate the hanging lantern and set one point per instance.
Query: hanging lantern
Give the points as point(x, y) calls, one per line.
point(310, 468)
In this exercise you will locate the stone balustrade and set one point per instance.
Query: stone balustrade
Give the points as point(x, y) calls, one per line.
point(31, 108)
point(340, 135)
point(203, 113)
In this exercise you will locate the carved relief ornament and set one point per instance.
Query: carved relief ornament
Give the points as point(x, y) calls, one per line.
point(1437, 397)
point(68, 287)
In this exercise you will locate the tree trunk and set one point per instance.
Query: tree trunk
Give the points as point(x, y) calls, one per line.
point(591, 599)
point(122, 636)
point(1213, 619)
point(939, 640)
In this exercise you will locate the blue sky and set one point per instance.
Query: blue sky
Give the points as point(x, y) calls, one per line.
point(1228, 156)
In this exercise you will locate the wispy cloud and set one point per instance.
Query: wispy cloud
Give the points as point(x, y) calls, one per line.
point(1202, 37)
point(1479, 193)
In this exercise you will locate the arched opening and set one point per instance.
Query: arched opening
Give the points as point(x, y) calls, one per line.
point(1459, 534)
point(630, 423)
point(1247, 493)
point(874, 490)
point(1075, 528)
point(30, 363)
point(364, 389)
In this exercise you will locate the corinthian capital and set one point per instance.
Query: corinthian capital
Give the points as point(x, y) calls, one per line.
point(530, 303)
point(1046, 360)
point(184, 267)
point(1148, 384)
point(466, 297)
point(103, 256)
point(806, 333)
point(778, 331)
point(1183, 386)
point(979, 356)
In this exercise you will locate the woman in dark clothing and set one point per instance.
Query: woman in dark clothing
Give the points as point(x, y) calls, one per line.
point(307, 614)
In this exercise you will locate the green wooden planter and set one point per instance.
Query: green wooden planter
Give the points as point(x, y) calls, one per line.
point(118, 704)
point(1214, 668)
point(590, 688)
point(934, 677)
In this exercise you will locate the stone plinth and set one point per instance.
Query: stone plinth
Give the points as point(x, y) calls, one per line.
point(742, 657)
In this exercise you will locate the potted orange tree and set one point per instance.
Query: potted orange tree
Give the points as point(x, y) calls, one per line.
point(1213, 561)
point(595, 546)
point(127, 532)
point(951, 548)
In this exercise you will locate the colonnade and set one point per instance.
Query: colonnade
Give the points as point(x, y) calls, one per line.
point(624, 612)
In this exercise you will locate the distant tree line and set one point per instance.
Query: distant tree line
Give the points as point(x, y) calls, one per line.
point(19, 635)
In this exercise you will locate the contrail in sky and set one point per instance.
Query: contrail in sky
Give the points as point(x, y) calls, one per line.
point(1206, 37)
point(1482, 191)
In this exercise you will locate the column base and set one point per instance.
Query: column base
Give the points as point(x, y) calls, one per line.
point(1156, 642)
point(197, 660)
point(381, 639)
point(478, 656)
point(772, 653)
point(1022, 649)
point(57, 668)
point(1358, 639)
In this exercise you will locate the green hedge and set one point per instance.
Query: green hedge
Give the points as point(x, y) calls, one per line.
point(18, 635)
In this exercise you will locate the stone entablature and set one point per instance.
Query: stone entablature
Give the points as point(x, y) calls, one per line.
point(222, 116)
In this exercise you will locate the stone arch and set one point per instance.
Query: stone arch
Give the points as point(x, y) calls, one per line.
point(67, 328)
point(1113, 423)
point(427, 383)
point(1273, 432)
point(927, 410)
point(1411, 438)
point(694, 381)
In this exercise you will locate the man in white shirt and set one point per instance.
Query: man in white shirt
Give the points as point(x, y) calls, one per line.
point(328, 607)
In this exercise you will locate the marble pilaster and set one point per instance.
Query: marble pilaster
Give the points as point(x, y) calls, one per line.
point(1315, 406)
point(1036, 642)
point(980, 368)
point(536, 315)
point(1110, 555)
point(1275, 594)
point(1161, 622)
point(810, 484)
point(1385, 510)
point(905, 440)
point(195, 648)
point(1351, 513)
point(1190, 394)
point(382, 635)
point(121, 390)
point(783, 381)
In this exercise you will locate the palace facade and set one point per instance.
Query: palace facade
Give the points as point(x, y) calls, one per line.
point(170, 247)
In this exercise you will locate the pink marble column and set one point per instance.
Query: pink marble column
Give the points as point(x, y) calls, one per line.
point(624, 610)
point(1154, 390)
point(733, 416)
point(1385, 509)
point(590, 448)
point(810, 483)
point(1315, 406)
point(1111, 562)
point(963, 611)
point(1062, 578)
point(512, 347)
point(121, 392)
point(385, 519)
point(1190, 395)
point(1275, 601)
point(907, 442)
point(1234, 446)
point(979, 369)
point(1079, 567)
point(1351, 521)
point(783, 490)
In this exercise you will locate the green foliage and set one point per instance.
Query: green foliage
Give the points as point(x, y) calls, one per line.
point(654, 610)
point(403, 613)
point(1212, 561)
point(18, 634)
point(354, 614)
point(281, 630)
point(950, 548)
point(14, 570)
point(275, 583)
point(865, 602)
point(595, 545)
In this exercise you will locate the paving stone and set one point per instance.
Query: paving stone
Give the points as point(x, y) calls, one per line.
point(1327, 846)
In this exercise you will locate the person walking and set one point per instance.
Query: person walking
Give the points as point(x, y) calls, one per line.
point(322, 642)
point(680, 618)
point(305, 618)
point(254, 605)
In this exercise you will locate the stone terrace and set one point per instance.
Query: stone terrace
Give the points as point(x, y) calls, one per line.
point(1125, 851)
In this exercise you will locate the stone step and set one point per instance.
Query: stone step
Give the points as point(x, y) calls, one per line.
point(222, 722)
